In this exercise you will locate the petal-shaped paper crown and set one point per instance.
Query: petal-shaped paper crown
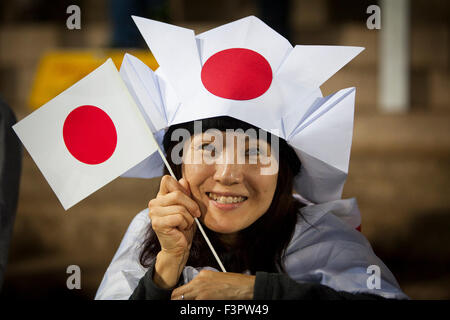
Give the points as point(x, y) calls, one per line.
point(246, 70)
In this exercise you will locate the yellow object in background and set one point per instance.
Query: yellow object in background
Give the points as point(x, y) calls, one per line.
point(58, 70)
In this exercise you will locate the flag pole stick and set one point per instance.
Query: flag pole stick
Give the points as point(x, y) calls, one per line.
point(196, 219)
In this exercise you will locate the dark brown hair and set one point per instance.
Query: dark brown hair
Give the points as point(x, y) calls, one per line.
point(260, 246)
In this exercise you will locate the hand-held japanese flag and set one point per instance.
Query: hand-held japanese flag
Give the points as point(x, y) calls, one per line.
point(87, 136)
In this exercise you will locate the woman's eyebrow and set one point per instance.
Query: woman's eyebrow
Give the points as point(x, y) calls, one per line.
point(254, 141)
point(199, 137)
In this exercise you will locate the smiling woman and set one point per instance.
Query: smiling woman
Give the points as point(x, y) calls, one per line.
point(272, 243)
point(241, 81)
point(243, 233)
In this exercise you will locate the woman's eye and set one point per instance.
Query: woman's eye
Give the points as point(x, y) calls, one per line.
point(208, 147)
point(203, 146)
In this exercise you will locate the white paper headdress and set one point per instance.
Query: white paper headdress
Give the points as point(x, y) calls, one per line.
point(246, 70)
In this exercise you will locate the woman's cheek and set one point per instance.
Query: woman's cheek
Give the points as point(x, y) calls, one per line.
point(196, 175)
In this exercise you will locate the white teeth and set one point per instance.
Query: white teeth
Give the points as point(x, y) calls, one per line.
point(222, 199)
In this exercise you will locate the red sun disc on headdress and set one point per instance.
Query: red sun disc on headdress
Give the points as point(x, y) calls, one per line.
point(237, 74)
point(89, 134)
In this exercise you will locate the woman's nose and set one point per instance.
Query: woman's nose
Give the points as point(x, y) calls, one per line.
point(229, 173)
point(228, 167)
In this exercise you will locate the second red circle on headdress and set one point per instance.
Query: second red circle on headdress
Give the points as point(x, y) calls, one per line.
point(237, 74)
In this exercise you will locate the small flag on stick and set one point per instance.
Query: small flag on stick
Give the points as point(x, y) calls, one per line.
point(87, 136)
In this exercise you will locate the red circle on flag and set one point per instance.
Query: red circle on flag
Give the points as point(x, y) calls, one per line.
point(237, 74)
point(89, 134)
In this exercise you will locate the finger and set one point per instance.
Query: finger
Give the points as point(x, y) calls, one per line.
point(185, 184)
point(178, 297)
point(169, 184)
point(180, 291)
point(176, 209)
point(167, 223)
point(178, 198)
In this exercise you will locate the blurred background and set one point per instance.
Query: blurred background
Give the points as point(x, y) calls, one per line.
point(399, 168)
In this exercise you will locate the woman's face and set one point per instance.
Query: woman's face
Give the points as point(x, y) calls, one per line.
point(231, 194)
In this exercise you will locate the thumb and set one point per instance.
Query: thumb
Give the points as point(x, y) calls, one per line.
point(185, 185)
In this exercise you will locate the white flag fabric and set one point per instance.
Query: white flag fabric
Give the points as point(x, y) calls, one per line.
point(87, 136)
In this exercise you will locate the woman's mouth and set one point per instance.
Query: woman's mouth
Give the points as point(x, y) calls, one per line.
point(226, 202)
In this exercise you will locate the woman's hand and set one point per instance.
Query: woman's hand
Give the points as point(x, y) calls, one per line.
point(172, 215)
point(212, 285)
